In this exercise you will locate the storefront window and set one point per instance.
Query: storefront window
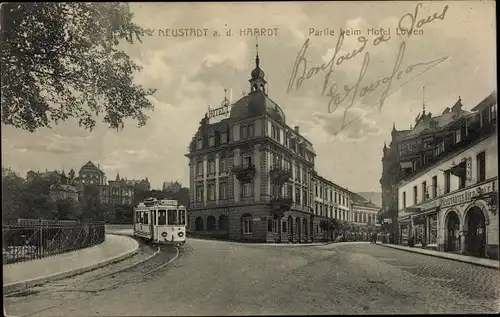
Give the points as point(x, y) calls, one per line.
point(433, 229)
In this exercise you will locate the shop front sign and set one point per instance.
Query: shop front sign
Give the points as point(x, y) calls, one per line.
point(468, 195)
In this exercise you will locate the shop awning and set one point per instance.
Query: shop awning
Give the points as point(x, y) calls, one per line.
point(419, 220)
point(406, 164)
point(412, 209)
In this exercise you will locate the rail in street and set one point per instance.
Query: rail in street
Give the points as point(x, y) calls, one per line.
point(217, 278)
point(139, 267)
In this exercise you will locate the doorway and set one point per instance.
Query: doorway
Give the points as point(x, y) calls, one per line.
point(452, 232)
point(476, 233)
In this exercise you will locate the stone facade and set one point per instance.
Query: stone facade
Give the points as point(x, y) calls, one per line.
point(252, 176)
point(452, 204)
point(432, 140)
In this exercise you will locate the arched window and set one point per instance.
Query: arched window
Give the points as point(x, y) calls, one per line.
point(199, 224)
point(223, 223)
point(211, 223)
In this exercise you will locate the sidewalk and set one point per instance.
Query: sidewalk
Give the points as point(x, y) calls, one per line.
point(450, 256)
point(121, 232)
point(22, 275)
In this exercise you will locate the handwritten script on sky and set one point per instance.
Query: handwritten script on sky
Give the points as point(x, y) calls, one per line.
point(398, 77)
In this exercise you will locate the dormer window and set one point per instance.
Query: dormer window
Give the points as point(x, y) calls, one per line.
point(199, 143)
point(246, 131)
point(275, 133)
point(458, 135)
point(211, 140)
point(439, 149)
point(223, 137)
point(493, 112)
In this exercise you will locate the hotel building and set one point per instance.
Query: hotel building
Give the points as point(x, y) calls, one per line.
point(252, 176)
point(448, 193)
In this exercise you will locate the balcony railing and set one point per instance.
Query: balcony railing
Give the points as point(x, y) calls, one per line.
point(244, 173)
point(280, 175)
point(280, 205)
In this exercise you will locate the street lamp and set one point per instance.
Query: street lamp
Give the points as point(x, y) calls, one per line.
point(427, 192)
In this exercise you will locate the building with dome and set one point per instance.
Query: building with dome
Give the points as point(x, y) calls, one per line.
point(252, 176)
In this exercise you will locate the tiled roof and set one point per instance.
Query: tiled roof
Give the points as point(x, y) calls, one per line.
point(66, 188)
point(90, 165)
point(491, 99)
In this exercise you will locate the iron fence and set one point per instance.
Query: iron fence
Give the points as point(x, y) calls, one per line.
point(30, 239)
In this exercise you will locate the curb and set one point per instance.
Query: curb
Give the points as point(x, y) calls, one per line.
point(442, 256)
point(131, 265)
point(23, 285)
point(290, 245)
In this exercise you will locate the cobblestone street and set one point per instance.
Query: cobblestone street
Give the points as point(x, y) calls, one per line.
point(224, 278)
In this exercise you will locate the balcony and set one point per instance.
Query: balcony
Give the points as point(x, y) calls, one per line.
point(280, 205)
point(244, 173)
point(280, 175)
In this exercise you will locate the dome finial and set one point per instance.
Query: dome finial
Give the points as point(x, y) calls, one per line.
point(257, 60)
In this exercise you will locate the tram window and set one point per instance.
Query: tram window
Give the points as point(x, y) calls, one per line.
point(153, 216)
point(182, 217)
point(162, 217)
point(141, 217)
point(145, 220)
point(138, 217)
point(172, 217)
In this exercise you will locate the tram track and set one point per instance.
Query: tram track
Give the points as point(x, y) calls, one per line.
point(59, 293)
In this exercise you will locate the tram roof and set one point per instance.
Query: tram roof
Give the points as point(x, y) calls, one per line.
point(148, 203)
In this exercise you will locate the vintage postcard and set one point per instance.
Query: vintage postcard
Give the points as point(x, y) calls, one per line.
point(249, 158)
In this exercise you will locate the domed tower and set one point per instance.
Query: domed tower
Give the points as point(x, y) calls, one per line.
point(257, 81)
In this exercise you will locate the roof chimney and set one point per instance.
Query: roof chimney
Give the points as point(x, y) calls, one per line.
point(297, 129)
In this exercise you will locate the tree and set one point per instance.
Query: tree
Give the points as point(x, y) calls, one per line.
point(124, 213)
point(71, 176)
point(66, 209)
point(12, 204)
point(39, 185)
point(91, 206)
point(61, 60)
point(334, 226)
point(37, 206)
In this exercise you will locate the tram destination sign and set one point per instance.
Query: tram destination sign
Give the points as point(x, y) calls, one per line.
point(467, 195)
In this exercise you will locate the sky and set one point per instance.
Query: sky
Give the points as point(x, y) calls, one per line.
point(457, 50)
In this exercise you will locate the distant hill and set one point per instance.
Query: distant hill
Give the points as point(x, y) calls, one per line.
point(375, 197)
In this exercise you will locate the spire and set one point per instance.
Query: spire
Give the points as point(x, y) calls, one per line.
point(423, 101)
point(257, 81)
point(393, 126)
point(257, 60)
point(118, 176)
point(385, 145)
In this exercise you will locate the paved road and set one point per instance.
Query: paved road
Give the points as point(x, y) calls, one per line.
point(221, 278)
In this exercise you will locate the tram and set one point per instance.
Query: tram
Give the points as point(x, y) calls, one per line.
point(161, 221)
